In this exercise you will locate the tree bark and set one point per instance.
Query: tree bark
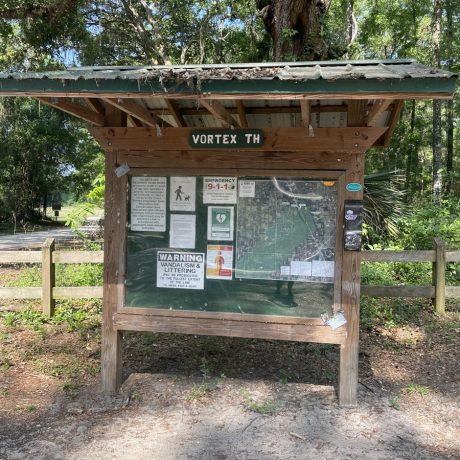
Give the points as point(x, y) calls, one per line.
point(450, 103)
point(437, 143)
point(295, 27)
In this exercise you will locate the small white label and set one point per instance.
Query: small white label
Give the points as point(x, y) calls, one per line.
point(247, 188)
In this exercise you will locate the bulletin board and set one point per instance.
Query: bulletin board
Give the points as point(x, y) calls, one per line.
point(250, 245)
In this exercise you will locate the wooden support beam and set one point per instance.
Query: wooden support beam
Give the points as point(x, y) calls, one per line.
point(305, 111)
point(95, 105)
point(114, 269)
point(220, 112)
point(351, 277)
point(135, 122)
point(74, 109)
point(276, 139)
point(135, 110)
point(376, 110)
point(175, 112)
point(241, 113)
point(394, 118)
point(356, 113)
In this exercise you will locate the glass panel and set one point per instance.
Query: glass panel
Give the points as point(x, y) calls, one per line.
point(247, 245)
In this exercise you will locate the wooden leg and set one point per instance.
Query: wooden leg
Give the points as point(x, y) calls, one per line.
point(351, 283)
point(114, 268)
point(111, 361)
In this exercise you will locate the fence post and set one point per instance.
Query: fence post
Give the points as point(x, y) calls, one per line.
point(48, 278)
point(439, 276)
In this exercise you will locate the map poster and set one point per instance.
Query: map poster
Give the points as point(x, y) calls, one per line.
point(182, 195)
point(219, 190)
point(182, 231)
point(148, 204)
point(219, 262)
point(180, 270)
point(220, 223)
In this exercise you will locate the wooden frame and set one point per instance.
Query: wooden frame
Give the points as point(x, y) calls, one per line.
point(341, 166)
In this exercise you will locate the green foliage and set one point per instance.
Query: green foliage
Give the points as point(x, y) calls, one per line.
point(267, 407)
point(66, 275)
point(414, 388)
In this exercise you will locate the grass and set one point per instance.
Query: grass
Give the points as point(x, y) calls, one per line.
point(394, 403)
point(267, 407)
point(415, 389)
point(208, 383)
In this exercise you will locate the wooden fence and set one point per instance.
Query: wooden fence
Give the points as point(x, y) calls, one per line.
point(48, 292)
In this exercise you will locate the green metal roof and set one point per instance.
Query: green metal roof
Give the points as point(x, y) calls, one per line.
point(326, 77)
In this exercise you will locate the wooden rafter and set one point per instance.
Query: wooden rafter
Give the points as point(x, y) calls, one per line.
point(135, 122)
point(135, 110)
point(377, 109)
point(220, 112)
point(95, 105)
point(175, 112)
point(356, 113)
point(74, 109)
point(241, 109)
point(305, 111)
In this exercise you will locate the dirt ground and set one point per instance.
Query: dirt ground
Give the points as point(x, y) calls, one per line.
point(189, 397)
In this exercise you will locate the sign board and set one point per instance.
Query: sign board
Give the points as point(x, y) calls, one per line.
point(148, 204)
point(180, 270)
point(226, 138)
point(219, 190)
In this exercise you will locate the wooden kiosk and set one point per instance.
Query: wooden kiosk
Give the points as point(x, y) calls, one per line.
point(234, 193)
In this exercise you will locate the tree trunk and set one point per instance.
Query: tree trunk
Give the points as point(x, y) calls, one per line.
point(450, 103)
point(437, 145)
point(412, 165)
point(295, 27)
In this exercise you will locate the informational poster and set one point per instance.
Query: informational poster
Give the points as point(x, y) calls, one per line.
point(220, 223)
point(182, 195)
point(286, 230)
point(247, 188)
point(148, 204)
point(182, 231)
point(180, 270)
point(219, 262)
point(219, 190)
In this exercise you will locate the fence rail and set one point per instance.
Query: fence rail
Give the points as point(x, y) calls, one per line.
point(48, 292)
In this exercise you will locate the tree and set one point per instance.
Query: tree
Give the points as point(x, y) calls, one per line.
point(40, 153)
point(295, 27)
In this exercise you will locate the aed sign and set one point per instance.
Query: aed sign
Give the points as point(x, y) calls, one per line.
point(226, 138)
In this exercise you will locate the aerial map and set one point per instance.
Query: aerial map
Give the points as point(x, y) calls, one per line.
point(286, 231)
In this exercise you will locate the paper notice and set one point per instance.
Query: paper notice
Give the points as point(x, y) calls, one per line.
point(182, 231)
point(148, 204)
point(219, 190)
point(182, 195)
point(219, 262)
point(247, 189)
point(180, 270)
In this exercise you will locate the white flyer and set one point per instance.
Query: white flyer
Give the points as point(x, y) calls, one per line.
point(180, 270)
point(219, 190)
point(182, 231)
point(148, 204)
point(247, 188)
point(182, 194)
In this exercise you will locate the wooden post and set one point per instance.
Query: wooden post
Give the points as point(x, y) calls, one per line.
point(351, 275)
point(114, 253)
point(48, 277)
point(439, 276)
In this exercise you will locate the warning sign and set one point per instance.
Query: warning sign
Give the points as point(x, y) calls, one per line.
point(180, 270)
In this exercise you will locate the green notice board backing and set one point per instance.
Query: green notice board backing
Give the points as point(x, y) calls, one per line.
point(255, 245)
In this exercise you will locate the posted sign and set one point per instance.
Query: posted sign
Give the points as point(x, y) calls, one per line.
point(180, 270)
point(226, 138)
